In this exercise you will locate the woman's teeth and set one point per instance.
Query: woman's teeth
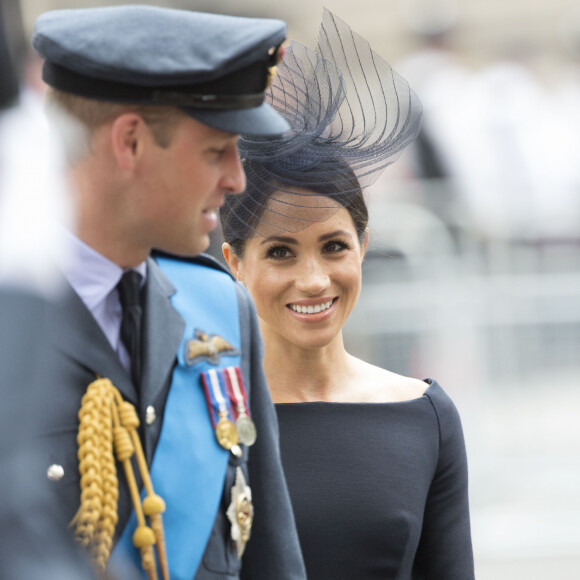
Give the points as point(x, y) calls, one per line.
point(311, 309)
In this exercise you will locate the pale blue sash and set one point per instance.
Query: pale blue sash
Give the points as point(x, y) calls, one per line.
point(189, 466)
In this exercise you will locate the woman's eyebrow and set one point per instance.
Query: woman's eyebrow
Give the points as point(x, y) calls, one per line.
point(334, 234)
point(282, 239)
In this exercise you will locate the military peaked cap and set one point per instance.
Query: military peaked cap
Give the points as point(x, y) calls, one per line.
point(214, 67)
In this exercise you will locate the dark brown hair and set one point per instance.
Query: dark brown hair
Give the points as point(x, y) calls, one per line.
point(241, 214)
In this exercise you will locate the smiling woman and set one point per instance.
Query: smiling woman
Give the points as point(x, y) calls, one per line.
point(305, 283)
point(375, 462)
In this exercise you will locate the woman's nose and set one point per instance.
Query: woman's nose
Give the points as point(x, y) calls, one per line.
point(313, 277)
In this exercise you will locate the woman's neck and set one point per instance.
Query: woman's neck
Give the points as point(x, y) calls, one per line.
point(297, 374)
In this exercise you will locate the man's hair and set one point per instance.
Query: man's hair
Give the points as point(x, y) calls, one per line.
point(162, 121)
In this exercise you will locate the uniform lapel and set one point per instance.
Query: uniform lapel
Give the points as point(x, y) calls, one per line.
point(78, 335)
point(163, 331)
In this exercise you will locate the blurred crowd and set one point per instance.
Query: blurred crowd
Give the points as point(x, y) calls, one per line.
point(497, 156)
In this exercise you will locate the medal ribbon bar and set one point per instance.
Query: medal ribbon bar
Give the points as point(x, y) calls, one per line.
point(216, 403)
point(225, 430)
point(237, 391)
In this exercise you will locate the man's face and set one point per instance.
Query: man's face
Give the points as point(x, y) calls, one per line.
point(184, 184)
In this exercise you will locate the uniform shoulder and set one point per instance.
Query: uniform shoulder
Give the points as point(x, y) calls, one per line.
point(200, 260)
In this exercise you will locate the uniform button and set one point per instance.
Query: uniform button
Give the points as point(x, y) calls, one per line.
point(55, 472)
point(150, 415)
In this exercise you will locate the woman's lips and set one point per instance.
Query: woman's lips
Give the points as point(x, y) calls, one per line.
point(313, 310)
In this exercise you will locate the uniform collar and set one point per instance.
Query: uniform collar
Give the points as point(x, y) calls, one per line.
point(92, 275)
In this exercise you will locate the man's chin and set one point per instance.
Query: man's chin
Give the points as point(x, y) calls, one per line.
point(188, 250)
point(201, 245)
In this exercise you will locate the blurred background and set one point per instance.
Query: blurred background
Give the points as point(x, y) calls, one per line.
point(473, 270)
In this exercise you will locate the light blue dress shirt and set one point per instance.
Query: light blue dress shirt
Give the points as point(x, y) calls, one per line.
point(94, 278)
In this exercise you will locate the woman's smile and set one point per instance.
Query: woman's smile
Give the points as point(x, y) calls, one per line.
point(313, 310)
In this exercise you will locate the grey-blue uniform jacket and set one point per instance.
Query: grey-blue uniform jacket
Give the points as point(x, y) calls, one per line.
point(82, 352)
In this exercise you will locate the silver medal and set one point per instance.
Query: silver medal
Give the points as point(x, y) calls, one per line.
point(246, 430)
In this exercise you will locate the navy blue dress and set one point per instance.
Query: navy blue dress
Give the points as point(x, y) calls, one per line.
point(379, 489)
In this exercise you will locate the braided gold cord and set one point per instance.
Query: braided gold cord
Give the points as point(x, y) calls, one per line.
point(90, 421)
point(108, 428)
point(153, 505)
point(143, 538)
point(103, 540)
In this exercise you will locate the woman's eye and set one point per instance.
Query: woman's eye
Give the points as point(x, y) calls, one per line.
point(279, 253)
point(333, 247)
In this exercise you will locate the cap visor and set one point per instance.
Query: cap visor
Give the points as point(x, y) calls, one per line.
point(262, 120)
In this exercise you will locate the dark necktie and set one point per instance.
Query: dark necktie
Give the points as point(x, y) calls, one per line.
point(131, 323)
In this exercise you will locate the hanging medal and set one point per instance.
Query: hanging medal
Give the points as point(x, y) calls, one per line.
point(238, 395)
point(241, 512)
point(219, 411)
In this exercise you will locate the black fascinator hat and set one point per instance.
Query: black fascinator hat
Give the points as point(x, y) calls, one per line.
point(350, 116)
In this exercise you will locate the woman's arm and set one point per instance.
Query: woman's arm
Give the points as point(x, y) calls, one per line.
point(445, 550)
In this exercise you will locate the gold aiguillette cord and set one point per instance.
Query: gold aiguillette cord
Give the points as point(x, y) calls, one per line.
point(106, 421)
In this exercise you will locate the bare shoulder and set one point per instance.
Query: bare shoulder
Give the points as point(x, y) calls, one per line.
point(383, 386)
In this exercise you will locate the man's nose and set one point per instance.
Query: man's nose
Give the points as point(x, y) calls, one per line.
point(234, 179)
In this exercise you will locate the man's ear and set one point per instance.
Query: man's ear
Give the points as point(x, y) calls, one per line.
point(128, 134)
point(232, 260)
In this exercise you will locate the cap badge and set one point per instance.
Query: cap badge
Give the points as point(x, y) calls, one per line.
point(276, 55)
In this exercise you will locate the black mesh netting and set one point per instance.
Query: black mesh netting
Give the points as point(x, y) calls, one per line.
point(350, 114)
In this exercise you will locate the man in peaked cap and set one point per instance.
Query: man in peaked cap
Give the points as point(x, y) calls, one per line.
point(163, 346)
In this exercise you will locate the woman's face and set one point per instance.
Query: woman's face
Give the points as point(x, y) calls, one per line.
point(306, 283)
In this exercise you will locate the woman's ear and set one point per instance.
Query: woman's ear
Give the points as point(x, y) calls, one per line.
point(232, 260)
point(365, 243)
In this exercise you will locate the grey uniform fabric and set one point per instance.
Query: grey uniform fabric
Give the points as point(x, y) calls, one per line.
point(83, 352)
point(31, 547)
